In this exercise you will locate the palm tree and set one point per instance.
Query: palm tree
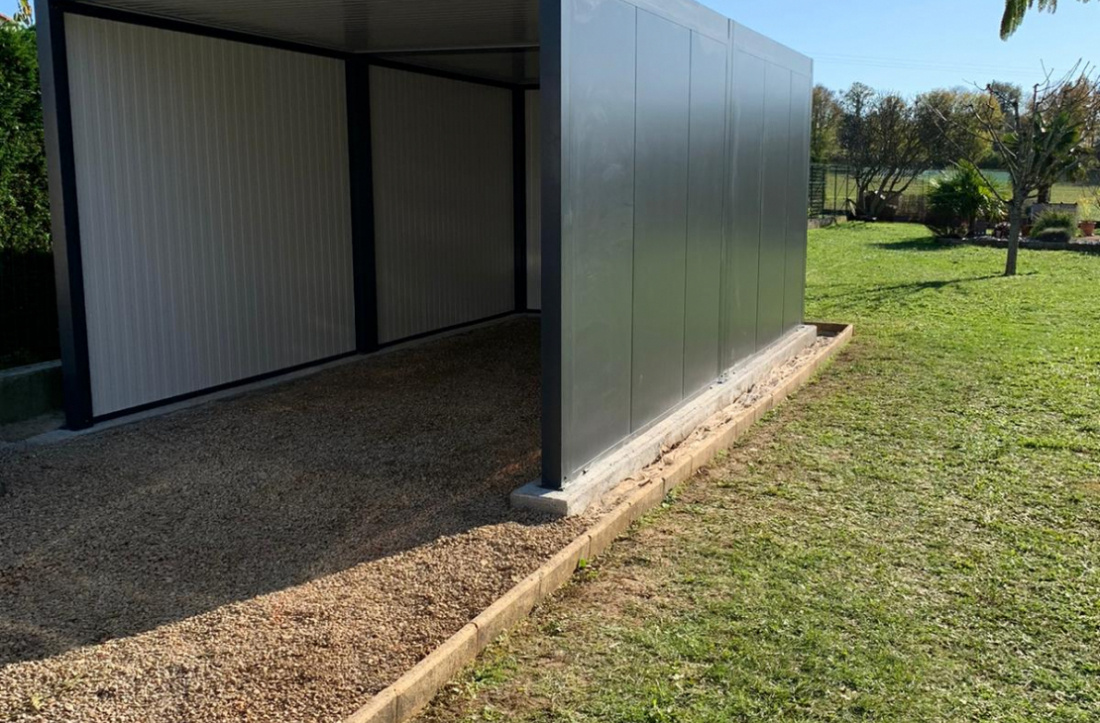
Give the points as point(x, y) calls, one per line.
point(23, 15)
point(1015, 10)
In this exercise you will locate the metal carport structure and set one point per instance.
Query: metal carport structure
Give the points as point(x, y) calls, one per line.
point(241, 188)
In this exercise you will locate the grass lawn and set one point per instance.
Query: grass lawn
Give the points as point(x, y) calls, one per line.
point(913, 537)
point(840, 186)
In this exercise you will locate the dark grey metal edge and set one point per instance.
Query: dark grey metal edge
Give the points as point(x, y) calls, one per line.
point(550, 73)
point(77, 7)
point(64, 218)
point(360, 162)
point(519, 196)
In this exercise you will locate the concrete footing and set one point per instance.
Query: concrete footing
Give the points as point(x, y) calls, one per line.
point(30, 391)
point(647, 446)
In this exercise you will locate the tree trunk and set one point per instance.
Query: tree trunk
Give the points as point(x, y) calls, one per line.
point(1044, 195)
point(1015, 226)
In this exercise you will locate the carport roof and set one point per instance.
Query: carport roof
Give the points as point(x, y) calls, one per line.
point(357, 26)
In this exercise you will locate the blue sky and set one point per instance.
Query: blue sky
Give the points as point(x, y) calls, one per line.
point(914, 45)
point(911, 46)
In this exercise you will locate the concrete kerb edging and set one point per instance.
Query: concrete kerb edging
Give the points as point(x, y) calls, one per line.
point(605, 473)
point(416, 688)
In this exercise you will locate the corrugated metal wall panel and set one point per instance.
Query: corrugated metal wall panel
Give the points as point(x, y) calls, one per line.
point(534, 202)
point(798, 181)
point(442, 153)
point(215, 221)
point(597, 225)
point(662, 123)
point(741, 266)
point(773, 224)
point(679, 159)
point(706, 209)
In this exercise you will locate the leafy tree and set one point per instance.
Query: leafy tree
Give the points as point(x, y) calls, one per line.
point(958, 200)
point(824, 141)
point(889, 141)
point(24, 203)
point(1015, 10)
point(969, 139)
point(1037, 136)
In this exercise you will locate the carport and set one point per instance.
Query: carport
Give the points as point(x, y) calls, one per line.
point(245, 188)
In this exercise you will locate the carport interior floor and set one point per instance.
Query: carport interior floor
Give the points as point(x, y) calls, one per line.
point(279, 555)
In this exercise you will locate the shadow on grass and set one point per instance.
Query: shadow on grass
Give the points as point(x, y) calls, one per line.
point(921, 243)
point(895, 292)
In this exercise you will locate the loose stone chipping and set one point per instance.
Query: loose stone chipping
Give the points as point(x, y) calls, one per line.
point(285, 555)
point(279, 556)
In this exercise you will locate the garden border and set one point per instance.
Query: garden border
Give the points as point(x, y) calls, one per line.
point(415, 689)
point(1088, 247)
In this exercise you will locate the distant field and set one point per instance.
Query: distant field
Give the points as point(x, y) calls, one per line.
point(839, 186)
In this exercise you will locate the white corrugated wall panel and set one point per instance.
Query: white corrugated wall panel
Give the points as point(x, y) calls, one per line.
point(212, 182)
point(534, 202)
point(444, 246)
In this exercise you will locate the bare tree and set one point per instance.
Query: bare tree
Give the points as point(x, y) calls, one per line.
point(882, 144)
point(1037, 136)
point(889, 142)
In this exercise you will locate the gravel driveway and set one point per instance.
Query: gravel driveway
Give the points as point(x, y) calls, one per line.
point(282, 555)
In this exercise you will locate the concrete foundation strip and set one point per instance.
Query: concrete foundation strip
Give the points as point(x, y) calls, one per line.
point(416, 688)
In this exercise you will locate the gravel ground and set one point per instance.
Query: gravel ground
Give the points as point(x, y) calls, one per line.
point(278, 556)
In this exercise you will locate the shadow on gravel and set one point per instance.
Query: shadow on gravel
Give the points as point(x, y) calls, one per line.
point(125, 530)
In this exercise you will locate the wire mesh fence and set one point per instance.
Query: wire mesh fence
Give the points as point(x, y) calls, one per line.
point(833, 192)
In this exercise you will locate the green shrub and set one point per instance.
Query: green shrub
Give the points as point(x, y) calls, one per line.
point(24, 200)
point(959, 199)
point(1053, 235)
point(1052, 220)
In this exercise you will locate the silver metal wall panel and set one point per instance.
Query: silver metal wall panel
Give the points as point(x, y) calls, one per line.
point(741, 265)
point(534, 201)
point(773, 225)
point(679, 165)
point(689, 14)
point(797, 184)
point(662, 123)
point(597, 239)
point(749, 41)
point(214, 211)
point(706, 207)
point(444, 247)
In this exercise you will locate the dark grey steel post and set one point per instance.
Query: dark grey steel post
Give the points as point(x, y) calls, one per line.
point(65, 222)
point(357, 70)
point(550, 28)
point(519, 194)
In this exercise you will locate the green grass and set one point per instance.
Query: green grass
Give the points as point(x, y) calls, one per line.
point(840, 186)
point(913, 537)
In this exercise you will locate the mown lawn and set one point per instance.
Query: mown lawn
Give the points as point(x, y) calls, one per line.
point(914, 537)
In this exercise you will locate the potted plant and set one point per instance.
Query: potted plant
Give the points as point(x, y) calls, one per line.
point(1088, 210)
